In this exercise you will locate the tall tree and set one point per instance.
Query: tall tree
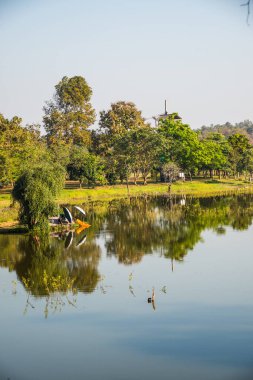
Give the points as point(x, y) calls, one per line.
point(121, 117)
point(112, 139)
point(69, 115)
point(146, 146)
point(182, 143)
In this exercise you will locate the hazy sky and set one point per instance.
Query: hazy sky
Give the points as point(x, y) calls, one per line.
point(197, 54)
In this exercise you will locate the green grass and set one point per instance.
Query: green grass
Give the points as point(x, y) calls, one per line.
point(196, 188)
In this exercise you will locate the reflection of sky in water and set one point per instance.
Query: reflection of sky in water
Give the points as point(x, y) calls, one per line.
point(201, 328)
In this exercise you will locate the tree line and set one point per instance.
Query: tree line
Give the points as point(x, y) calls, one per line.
point(244, 127)
point(47, 267)
point(125, 145)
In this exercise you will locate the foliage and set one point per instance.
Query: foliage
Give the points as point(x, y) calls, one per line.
point(20, 147)
point(124, 147)
point(121, 117)
point(84, 165)
point(146, 149)
point(122, 150)
point(35, 191)
point(182, 143)
point(69, 115)
point(244, 128)
point(59, 153)
point(170, 171)
point(212, 156)
point(240, 153)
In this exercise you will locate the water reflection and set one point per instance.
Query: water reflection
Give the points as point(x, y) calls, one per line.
point(129, 229)
point(46, 264)
point(169, 226)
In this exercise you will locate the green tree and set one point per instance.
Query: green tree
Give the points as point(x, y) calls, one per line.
point(212, 156)
point(145, 148)
point(182, 143)
point(59, 153)
point(84, 165)
point(20, 147)
point(121, 117)
point(239, 153)
point(123, 153)
point(69, 115)
point(35, 190)
point(115, 123)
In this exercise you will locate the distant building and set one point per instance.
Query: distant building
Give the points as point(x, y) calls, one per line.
point(166, 115)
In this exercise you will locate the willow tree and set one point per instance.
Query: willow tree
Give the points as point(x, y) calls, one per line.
point(69, 115)
point(35, 191)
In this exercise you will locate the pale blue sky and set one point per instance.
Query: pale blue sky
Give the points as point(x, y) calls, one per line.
point(197, 54)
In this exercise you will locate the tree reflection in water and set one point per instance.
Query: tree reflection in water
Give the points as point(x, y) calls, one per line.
point(58, 266)
point(47, 269)
point(143, 226)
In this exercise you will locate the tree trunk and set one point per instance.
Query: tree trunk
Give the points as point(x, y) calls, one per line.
point(144, 174)
point(128, 193)
point(135, 177)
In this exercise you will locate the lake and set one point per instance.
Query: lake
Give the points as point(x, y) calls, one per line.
point(75, 305)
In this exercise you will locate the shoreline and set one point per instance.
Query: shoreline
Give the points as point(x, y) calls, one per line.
point(196, 189)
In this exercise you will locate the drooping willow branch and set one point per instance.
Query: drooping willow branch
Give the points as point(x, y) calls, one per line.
point(247, 4)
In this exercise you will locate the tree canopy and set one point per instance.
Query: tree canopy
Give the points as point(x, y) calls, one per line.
point(20, 147)
point(69, 115)
point(124, 147)
point(121, 117)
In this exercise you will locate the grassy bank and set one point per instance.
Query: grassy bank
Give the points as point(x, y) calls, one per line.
point(197, 188)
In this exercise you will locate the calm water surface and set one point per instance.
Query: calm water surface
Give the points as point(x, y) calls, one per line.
point(74, 306)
